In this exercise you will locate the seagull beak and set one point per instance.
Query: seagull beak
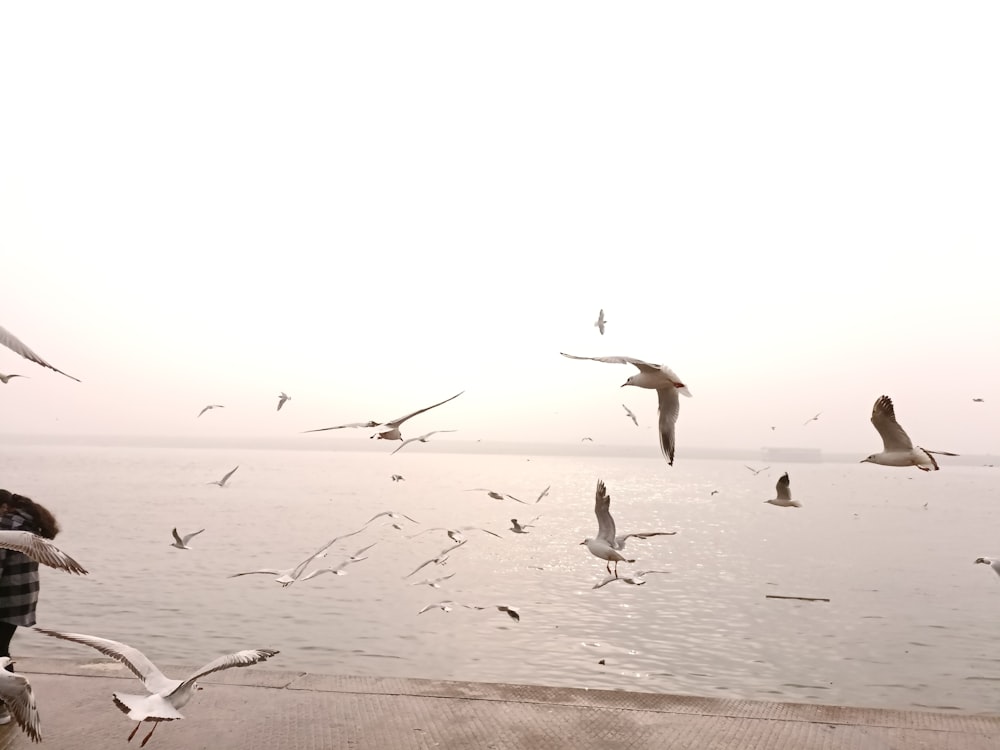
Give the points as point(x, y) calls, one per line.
point(623, 385)
point(863, 461)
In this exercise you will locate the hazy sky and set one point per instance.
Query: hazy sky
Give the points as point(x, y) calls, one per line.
point(373, 206)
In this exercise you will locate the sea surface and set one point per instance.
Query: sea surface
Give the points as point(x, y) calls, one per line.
point(910, 623)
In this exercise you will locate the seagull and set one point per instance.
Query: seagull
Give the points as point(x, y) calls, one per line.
point(15, 344)
point(666, 384)
point(15, 690)
point(995, 564)
point(39, 549)
point(288, 576)
point(456, 535)
point(422, 439)
point(398, 478)
point(602, 546)
point(282, 398)
point(631, 415)
point(599, 325)
point(491, 493)
point(182, 542)
point(211, 406)
point(434, 583)
point(448, 605)
point(165, 697)
point(441, 557)
point(636, 579)
point(897, 449)
point(784, 498)
point(518, 528)
point(222, 482)
point(389, 430)
point(391, 514)
point(585, 439)
point(812, 419)
point(6, 378)
point(538, 500)
point(757, 471)
point(605, 523)
point(975, 400)
point(338, 570)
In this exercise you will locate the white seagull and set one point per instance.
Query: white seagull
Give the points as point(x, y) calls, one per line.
point(456, 535)
point(812, 419)
point(784, 498)
point(636, 579)
point(666, 384)
point(288, 576)
point(165, 697)
point(897, 448)
point(282, 398)
point(537, 500)
point(398, 478)
point(181, 542)
point(447, 605)
point(393, 515)
point(441, 557)
point(16, 693)
point(222, 482)
point(211, 406)
point(338, 569)
point(993, 563)
point(388, 430)
point(495, 495)
point(6, 378)
point(421, 439)
point(757, 471)
point(522, 528)
point(39, 549)
point(15, 344)
point(434, 583)
point(631, 415)
point(599, 325)
point(607, 545)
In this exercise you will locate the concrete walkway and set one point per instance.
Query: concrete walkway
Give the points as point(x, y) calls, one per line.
point(256, 707)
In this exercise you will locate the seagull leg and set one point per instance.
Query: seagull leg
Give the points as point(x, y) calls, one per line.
point(146, 738)
point(137, 725)
point(616, 568)
point(608, 566)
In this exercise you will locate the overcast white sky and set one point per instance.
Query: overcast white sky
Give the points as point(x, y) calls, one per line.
point(373, 206)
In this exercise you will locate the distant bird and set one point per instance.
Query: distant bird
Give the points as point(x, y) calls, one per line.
point(282, 398)
point(636, 579)
point(784, 498)
point(773, 427)
point(16, 693)
point(222, 482)
point(6, 378)
point(518, 528)
point(757, 471)
point(811, 419)
point(448, 605)
point(338, 569)
point(495, 495)
point(456, 535)
point(434, 583)
point(599, 325)
point(389, 430)
point(165, 697)
point(439, 559)
point(993, 563)
point(585, 439)
point(422, 439)
point(39, 549)
point(398, 478)
point(15, 344)
point(631, 415)
point(976, 400)
point(713, 492)
point(288, 576)
point(211, 406)
point(897, 448)
point(538, 500)
point(181, 542)
point(390, 514)
point(666, 384)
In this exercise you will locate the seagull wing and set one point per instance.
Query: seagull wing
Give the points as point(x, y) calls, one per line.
point(400, 420)
point(15, 690)
point(15, 344)
point(39, 549)
point(440, 556)
point(403, 445)
point(239, 659)
point(369, 423)
point(783, 489)
point(137, 662)
point(643, 366)
point(188, 537)
point(266, 571)
point(602, 507)
point(226, 478)
point(177, 537)
point(894, 438)
point(669, 408)
point(620, 540)
point(631, 415)
point(544, 493)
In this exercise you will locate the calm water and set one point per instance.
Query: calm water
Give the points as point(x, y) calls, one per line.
point(912, 623)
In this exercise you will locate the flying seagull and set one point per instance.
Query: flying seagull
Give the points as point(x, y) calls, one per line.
point(784, 498)
point(6, 378)
point(585, 439)
point(492, 493)
point(282, 398)
point(16, 693)
point(222, 482)
point(607, 544)
point(441, 557)
point(897, 448)
point(422, 439)
point(631, 415)
point(599, 325)
point(448, 605)
point(757, 471)
point(666, 384)
point(288, 576)
point(39, 549)
point(15, 344)
point(181, 542)
point(456, 535)
point(398, 478)
point(211, 406)
point(164, 697)
point(812, 419)
point(636, 579)
point(389, 430)
point(975, 400)
point(338, 569)
point(434, 583)
point(538, 500)
point(521, 528)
